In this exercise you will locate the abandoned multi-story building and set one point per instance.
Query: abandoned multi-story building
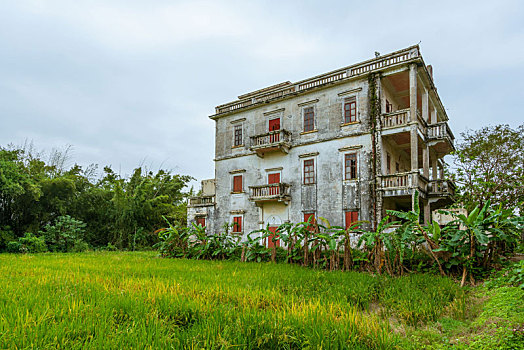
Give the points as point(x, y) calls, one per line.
point(346, 145)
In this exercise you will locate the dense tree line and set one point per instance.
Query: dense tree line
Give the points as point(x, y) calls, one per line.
point(489, 166)
point(37, 195)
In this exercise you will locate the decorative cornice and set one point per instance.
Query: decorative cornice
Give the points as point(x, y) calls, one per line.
point(349, 148)
point(238, 120)
point(239, 211)
point(348, 92)
point(236, 171)
point(305, 155)
point(310, 102)
point(274, 111)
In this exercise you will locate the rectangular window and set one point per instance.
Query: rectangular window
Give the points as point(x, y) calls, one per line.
point(237, 224)
point(237, 183)
point(350, 166)
point(309, 172)
point(309, 119)
point(389, 107)
point(350, 110)
point(397, 168)
point(351, 217)
point(238, 135)
point(201, 221)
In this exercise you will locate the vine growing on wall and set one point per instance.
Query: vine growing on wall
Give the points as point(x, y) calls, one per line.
point(374, 112)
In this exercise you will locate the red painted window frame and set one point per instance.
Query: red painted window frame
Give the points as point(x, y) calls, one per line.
point(237, 184)
point(237, 224)
point(350, 111)
point(350, 166)
point(309, 171)
point(309, 119)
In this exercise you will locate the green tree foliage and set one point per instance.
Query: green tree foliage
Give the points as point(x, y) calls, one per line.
point(66, 235)
point(490, 166)
point(116, 210)
point(28, 243)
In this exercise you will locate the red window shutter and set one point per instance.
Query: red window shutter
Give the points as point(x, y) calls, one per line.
point(237, 183)
point(273, 178)
point(311, 222)
point(237, 224)
point(351, 217)
point(273, 240)
point(274, 124)
point(201, 222)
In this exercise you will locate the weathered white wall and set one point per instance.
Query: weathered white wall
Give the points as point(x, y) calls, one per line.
point(330, 195)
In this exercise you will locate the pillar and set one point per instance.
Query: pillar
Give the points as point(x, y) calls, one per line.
point(414, 148)
point(434, 168)
point(425, 161)
point(413, 92)
point(413, 115)
point(425, 104)
point(427, 212)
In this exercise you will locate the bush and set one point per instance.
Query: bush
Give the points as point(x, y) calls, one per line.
point(6, 235)
point(27, 244)
point(513, 275)
point(67, 235)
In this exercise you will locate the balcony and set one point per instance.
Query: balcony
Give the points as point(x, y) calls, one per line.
point(278, 192)
point(278, 140)
point(441, 188)
point(440, 137)
point(403, 184)
point(201, 201)
point(399, 121)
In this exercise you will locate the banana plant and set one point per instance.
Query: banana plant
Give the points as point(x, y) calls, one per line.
point(374, 242)
point(410, 232)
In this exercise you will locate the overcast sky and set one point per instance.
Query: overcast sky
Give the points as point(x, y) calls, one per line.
point(133, 82)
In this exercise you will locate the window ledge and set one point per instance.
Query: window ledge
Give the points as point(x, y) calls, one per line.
point(308, 132)
point(237, 192)
point(351, 123)
point(237, 146)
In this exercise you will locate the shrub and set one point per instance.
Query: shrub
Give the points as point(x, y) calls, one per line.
point(29, 243)
point(66, 235)
point(6, 235)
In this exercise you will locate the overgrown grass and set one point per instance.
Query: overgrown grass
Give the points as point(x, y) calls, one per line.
point(134, 300)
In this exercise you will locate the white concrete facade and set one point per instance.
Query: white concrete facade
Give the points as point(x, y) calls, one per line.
point(389, 167)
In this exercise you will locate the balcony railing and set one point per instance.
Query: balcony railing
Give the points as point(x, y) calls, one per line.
point(278, 191)
point(440, 130)
point(284, 90)
point(398, 118)
point(271, 141)
point(408, 180)
point(442, 188)
point(401, 118)
point(201, 201)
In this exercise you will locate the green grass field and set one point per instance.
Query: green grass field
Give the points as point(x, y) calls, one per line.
point(135, 300)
